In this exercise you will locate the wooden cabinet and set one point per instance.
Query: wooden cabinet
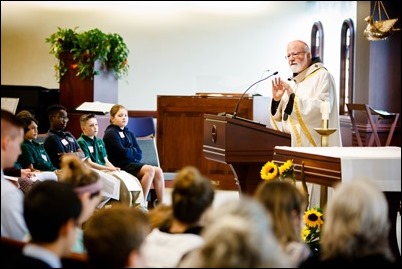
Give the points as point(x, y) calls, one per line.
point(179, 132)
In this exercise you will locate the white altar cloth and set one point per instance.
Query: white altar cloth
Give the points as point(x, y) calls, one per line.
point(379, 164)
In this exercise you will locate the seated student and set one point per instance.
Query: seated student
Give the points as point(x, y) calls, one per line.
point(94, 148)
point(51, 210)
point(34, 155)
point(60, 142)
point(192, 197)
point(88, 186)
point(123, 151)
point(12, 221)
point(238, 234)
point(113, 237)
point(286, 205)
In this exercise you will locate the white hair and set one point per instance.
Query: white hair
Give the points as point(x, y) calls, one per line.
point(356, 222)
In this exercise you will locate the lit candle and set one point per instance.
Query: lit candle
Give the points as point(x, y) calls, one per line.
point(324, 108)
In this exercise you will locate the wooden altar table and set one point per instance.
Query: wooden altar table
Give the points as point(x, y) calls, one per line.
point(327, 166)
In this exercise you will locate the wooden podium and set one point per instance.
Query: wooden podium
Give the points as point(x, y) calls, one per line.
point(243, 144)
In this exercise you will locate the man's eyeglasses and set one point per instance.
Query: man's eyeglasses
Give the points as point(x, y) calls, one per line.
point(65, 118)
point(294, 54)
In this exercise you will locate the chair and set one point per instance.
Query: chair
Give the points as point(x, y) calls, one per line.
point(374, 117)
point(142, 126)
point(150, 155)
point(149, 150)
point(144, 130)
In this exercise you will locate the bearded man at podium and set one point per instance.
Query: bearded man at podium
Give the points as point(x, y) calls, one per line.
point(296, 107)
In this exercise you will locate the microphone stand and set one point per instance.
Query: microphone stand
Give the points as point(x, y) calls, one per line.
point(241, 97)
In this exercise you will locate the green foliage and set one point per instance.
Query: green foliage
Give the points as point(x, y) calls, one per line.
point(86, 48)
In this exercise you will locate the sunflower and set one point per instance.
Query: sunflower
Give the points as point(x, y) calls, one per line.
point(286, 169)
point(269, 171)
point(313, 218)
point(305, 232)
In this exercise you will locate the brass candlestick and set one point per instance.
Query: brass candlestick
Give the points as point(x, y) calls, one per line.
point(325, 132)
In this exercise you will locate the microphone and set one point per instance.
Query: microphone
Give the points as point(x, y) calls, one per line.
point(289, 107)
point(241, 97)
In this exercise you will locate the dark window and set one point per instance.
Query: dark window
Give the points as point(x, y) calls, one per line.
point(346, 83)
point(317, 40)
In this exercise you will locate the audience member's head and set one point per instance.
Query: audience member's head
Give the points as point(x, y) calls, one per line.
point(51, 211)
point(85, 181)
point(57, 115)
point(24, 113)
point(89, 124)
point(113, 237)
point(119, 115)
point(192, 195)
point(286, 205)
point(30, 127)
point(238, 235)
point(11, 138)
point(356, 223)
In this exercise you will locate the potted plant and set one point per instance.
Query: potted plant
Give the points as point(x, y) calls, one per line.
point(86, 48)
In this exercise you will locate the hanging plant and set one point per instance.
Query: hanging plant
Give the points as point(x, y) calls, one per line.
point(86, 48)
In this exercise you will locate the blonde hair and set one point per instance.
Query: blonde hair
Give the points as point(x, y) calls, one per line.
point(114, 110)
point(75, 172)
point(160, 215)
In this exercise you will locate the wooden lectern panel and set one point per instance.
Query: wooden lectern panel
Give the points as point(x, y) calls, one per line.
point(180, 136)
point(246, 146)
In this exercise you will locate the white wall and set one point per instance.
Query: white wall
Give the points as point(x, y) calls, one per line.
point(176, 48)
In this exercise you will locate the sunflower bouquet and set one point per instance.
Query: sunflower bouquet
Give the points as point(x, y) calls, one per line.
point(313, 220)
point(271, 171)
